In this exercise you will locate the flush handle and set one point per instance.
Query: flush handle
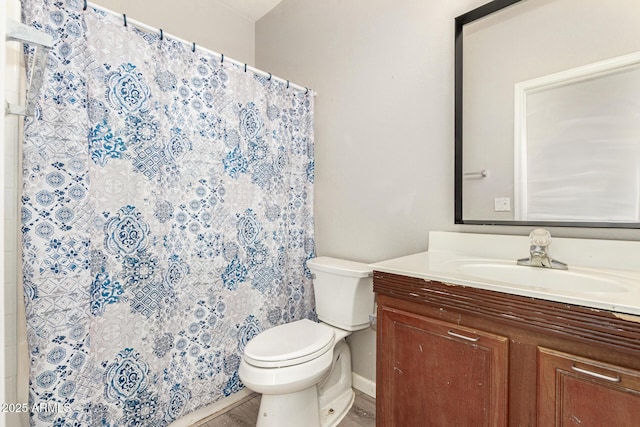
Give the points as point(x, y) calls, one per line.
point(463, 337)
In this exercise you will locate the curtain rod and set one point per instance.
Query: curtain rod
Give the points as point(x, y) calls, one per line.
point(223, 58)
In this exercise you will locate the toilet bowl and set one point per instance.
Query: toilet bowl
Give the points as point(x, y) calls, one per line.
point(303, 368)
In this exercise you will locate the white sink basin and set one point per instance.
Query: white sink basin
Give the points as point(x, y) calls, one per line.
point(546, 279)
point(602, 274)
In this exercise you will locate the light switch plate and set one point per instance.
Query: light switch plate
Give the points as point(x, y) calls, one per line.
point(502, 204)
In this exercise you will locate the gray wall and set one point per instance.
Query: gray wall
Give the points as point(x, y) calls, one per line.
point(208, 23)
point(383, 71)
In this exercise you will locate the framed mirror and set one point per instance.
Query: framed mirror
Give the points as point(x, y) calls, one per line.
point(547, 113)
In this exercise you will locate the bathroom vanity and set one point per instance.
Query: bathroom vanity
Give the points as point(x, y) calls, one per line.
point(529, 348)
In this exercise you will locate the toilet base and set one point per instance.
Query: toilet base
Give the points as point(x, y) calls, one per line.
point(290, 410)
point(333, 413)
point(301, 409)
point(335, 392)
point(323, 401)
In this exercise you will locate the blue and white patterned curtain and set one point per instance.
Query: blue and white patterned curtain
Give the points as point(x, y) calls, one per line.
point(167, 215)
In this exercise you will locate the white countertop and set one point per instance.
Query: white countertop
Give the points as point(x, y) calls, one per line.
point(445, 262)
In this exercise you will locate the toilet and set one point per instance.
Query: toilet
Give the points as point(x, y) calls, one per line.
point(303, 368)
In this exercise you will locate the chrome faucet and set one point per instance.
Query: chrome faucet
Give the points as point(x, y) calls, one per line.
point(539, 251)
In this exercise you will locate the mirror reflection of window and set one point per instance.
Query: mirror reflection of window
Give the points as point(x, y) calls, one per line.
point(578, 144)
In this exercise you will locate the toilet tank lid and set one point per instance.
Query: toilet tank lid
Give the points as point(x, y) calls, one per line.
point(339, 266)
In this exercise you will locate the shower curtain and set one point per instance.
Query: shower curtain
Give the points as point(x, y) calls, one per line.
point(167, 214)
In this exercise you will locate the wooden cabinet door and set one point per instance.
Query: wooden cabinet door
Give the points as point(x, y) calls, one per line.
point(438, 374)
point(575, 391)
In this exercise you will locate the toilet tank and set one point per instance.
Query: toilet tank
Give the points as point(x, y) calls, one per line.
point(344, 292)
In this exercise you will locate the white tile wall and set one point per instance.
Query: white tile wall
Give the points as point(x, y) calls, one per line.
point(3, 14)
point(10, 182)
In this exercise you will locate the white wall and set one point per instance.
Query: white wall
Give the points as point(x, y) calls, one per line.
point(9, 297)
point(3, 332)
point(383, 71)
point(208, 23)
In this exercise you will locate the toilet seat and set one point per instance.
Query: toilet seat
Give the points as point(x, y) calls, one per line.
point(289, 344)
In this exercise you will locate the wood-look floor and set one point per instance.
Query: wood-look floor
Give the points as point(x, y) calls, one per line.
point(245, 414)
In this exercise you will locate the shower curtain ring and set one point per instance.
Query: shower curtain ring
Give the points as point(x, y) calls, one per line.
point(193, 48)
point(222, 58)
point(85, 5)
point(306, 91)
point(269, 76)
point(245, 67)
point(287, 84)
point(161, 34)
point(124, 16)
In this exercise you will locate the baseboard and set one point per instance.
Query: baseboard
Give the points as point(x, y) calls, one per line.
point(364, 385)
point(210, 410)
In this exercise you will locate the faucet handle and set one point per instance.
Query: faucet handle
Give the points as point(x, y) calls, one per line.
point(540, 237)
